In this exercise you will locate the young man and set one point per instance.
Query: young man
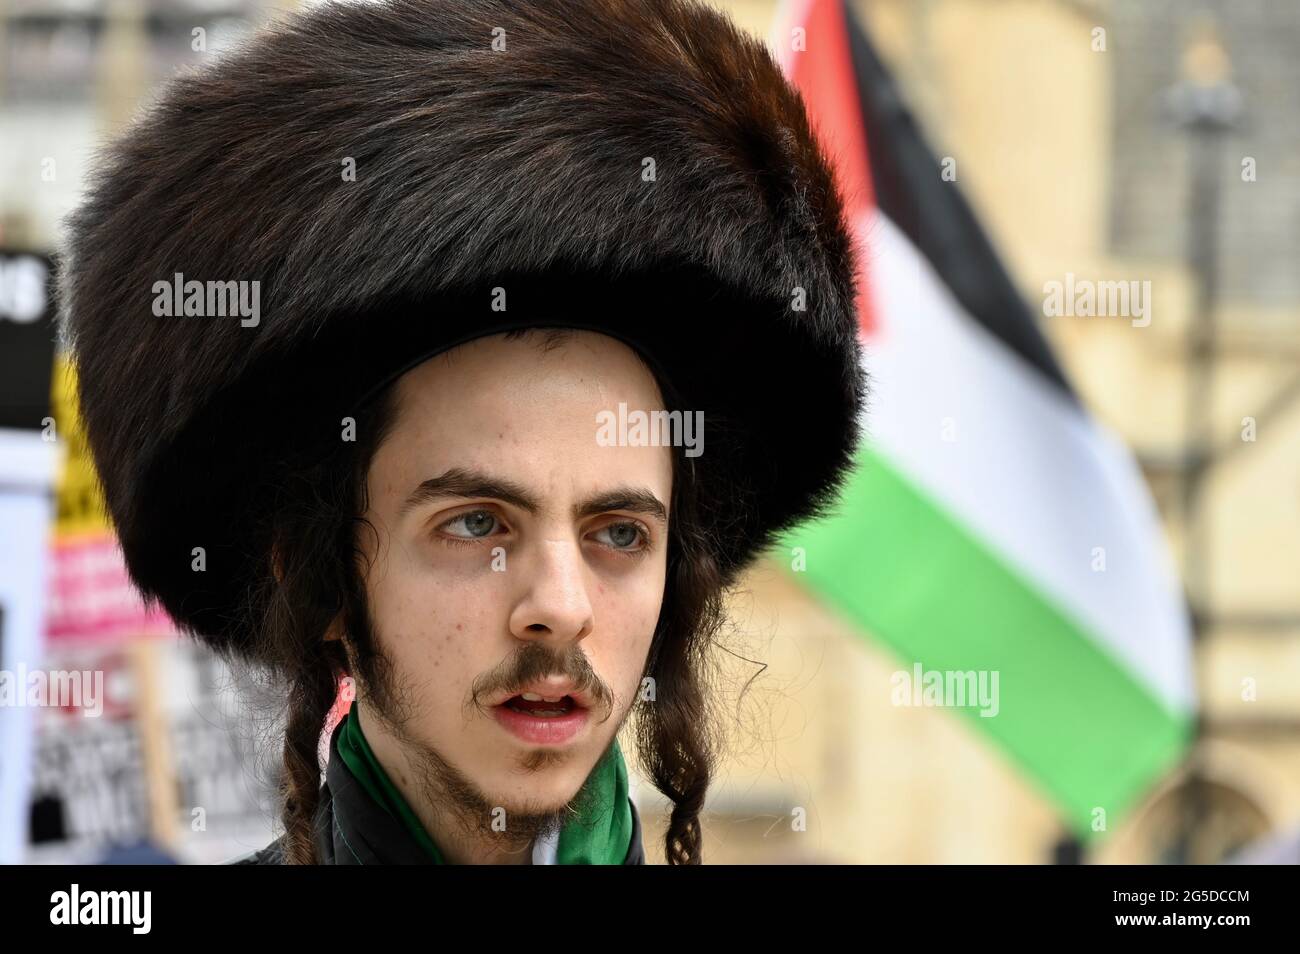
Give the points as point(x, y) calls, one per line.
point(452, 358)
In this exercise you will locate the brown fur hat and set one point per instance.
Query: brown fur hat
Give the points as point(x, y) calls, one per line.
point(380, 171)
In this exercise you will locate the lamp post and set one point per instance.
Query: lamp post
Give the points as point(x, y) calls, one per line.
point(1206, 105)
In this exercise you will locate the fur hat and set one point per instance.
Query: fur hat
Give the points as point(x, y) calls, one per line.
point(375, 179)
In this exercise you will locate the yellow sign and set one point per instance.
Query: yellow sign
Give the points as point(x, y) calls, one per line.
point(81, 507)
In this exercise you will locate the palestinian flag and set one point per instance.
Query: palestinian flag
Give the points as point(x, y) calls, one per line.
point(992, 527)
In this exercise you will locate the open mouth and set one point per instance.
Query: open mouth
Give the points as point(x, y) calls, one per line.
point(541, 708)
point(535, 720)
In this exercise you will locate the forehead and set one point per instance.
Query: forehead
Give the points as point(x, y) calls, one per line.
point(528, 409)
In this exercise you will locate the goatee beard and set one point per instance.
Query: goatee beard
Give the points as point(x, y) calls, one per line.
point(449, 791)
point(457, 799)
point(451, 794)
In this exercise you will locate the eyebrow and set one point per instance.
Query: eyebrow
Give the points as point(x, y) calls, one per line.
point(460, 482)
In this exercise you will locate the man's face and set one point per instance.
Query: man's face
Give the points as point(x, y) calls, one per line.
point(513, 549)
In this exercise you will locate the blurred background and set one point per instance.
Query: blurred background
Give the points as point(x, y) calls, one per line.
point(1067, 144)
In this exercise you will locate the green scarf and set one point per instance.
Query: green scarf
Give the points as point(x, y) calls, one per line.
point(602, 838)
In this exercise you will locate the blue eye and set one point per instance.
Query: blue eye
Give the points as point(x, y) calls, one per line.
point(624, 536)
point(479, 523)
point(627, 538)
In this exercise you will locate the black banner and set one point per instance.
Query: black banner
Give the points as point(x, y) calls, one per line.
point(27, 335)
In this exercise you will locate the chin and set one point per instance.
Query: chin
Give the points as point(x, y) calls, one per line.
point(542, 789)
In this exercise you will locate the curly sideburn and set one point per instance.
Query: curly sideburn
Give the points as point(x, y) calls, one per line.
point(316, 578)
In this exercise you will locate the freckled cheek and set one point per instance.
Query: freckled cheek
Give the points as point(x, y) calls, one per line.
point(625, 627)
point(431, 636)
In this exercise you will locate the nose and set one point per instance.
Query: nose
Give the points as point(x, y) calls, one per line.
point(554, 605)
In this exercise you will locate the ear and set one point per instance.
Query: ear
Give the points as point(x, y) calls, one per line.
point(335, 631)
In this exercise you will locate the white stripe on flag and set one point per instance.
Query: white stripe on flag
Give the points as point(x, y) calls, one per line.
point(1028, 471)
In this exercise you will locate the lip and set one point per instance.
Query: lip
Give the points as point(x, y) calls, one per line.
point(549, 690)
point(542, 730)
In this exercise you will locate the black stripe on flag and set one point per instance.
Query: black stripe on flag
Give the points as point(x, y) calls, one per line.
point(933, 214)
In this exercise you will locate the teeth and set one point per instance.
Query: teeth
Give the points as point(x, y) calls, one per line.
point(534, 697)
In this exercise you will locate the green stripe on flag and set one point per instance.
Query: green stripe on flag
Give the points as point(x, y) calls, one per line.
point(1070, 713)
